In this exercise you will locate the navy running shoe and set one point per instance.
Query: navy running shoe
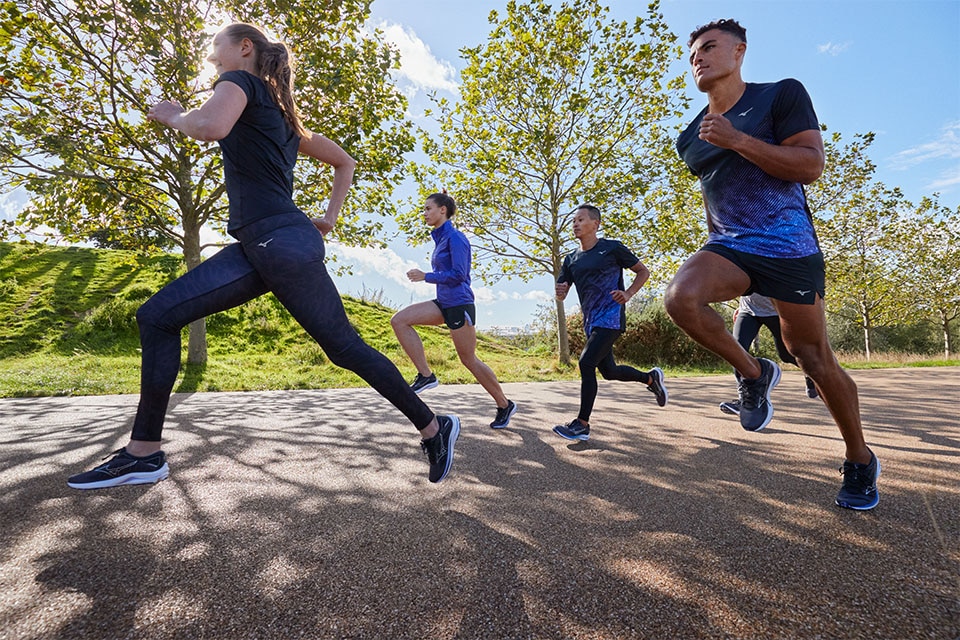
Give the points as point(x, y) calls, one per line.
point(573, 430)
point(422, 383)
point(439, 448)
point(755, 408)
point(655, 385)
point(123, 468)
point(503, 416)
point(859, 490)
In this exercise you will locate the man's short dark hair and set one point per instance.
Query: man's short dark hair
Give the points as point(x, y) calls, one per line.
point(591, 210)
point(730, 25)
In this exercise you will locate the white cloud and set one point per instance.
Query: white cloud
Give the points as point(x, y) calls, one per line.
point(947, 180)
point(946, 146)
point(833, 48)
point(379, 262)
point(418, 65)
point(490, 295)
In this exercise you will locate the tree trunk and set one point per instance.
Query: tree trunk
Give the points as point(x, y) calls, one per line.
point(197, 341)
point(947, 347)
point(562, 336)
point(866, 336)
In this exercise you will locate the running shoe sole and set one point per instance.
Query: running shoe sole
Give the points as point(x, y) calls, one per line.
point(143, 477)
point(658, 372)
point(582, 436)
point(451, 440)
point(429, 385)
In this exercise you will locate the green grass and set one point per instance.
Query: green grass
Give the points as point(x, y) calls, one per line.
point(69, 329)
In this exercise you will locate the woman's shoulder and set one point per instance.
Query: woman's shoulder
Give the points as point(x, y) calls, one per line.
point(243, 79)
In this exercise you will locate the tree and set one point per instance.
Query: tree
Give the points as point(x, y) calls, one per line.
point(561, 106)
point(78, 76)
point(860, 242)
point(856, 223)
point(931, 249)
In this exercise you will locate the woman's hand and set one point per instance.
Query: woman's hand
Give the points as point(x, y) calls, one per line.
point(416, 275)
point(165, 112)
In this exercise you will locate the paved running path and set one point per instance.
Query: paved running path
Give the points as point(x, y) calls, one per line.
point(308, 515)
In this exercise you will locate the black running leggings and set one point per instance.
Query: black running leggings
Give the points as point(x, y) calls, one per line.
point(746, 327)
point(282, 254)
point(598, 354)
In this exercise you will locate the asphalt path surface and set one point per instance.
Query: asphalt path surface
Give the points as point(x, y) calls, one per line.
point(308, 514)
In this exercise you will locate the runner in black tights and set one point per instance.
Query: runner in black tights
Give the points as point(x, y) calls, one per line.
point(253, 117)
point(596, 268)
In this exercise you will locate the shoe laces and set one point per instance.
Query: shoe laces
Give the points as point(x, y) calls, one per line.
point(751, 392)
point(855, 478)
point(433, 447)
point(429, 450)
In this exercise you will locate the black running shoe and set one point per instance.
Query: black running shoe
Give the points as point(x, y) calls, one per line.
point(422, 383)
point(731, 408)
point(656, 386)
point(811, 388)
point(504, 415)
point(859, 490)
point(123, 468)
point(755, 408)
point(439, 448)
point(573, 430)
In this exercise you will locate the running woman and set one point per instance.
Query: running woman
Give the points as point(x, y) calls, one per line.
point(454, 306)
point(253, 117)
point(596, 268)
point(753, 147)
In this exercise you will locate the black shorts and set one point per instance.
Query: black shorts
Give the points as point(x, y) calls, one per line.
point(458, 316)
point(795, 280)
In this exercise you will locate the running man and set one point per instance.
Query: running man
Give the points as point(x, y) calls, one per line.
point(596, 268)
point(753, 147)
point(453, 306)
point(253, 117)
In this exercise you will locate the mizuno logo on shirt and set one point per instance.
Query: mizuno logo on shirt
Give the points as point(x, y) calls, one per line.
point(802, 293)
point(265, 243)
point(746, 112)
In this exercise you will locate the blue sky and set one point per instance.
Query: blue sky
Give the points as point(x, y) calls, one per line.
point(870, 65)
point(891, 67)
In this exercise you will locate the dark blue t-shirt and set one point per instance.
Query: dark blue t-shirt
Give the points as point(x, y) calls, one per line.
point(750, 210)
point(258, 156)
point(595, 273)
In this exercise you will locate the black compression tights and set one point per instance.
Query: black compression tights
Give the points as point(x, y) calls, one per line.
point(598, 355)
point(287, 261)
point(746, 327)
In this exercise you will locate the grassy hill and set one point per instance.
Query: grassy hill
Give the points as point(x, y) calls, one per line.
point(70, 330)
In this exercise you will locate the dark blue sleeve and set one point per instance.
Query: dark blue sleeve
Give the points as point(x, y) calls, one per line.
point(460, 259)
point(565, 273)
point(625, 257)
point(792, 110)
